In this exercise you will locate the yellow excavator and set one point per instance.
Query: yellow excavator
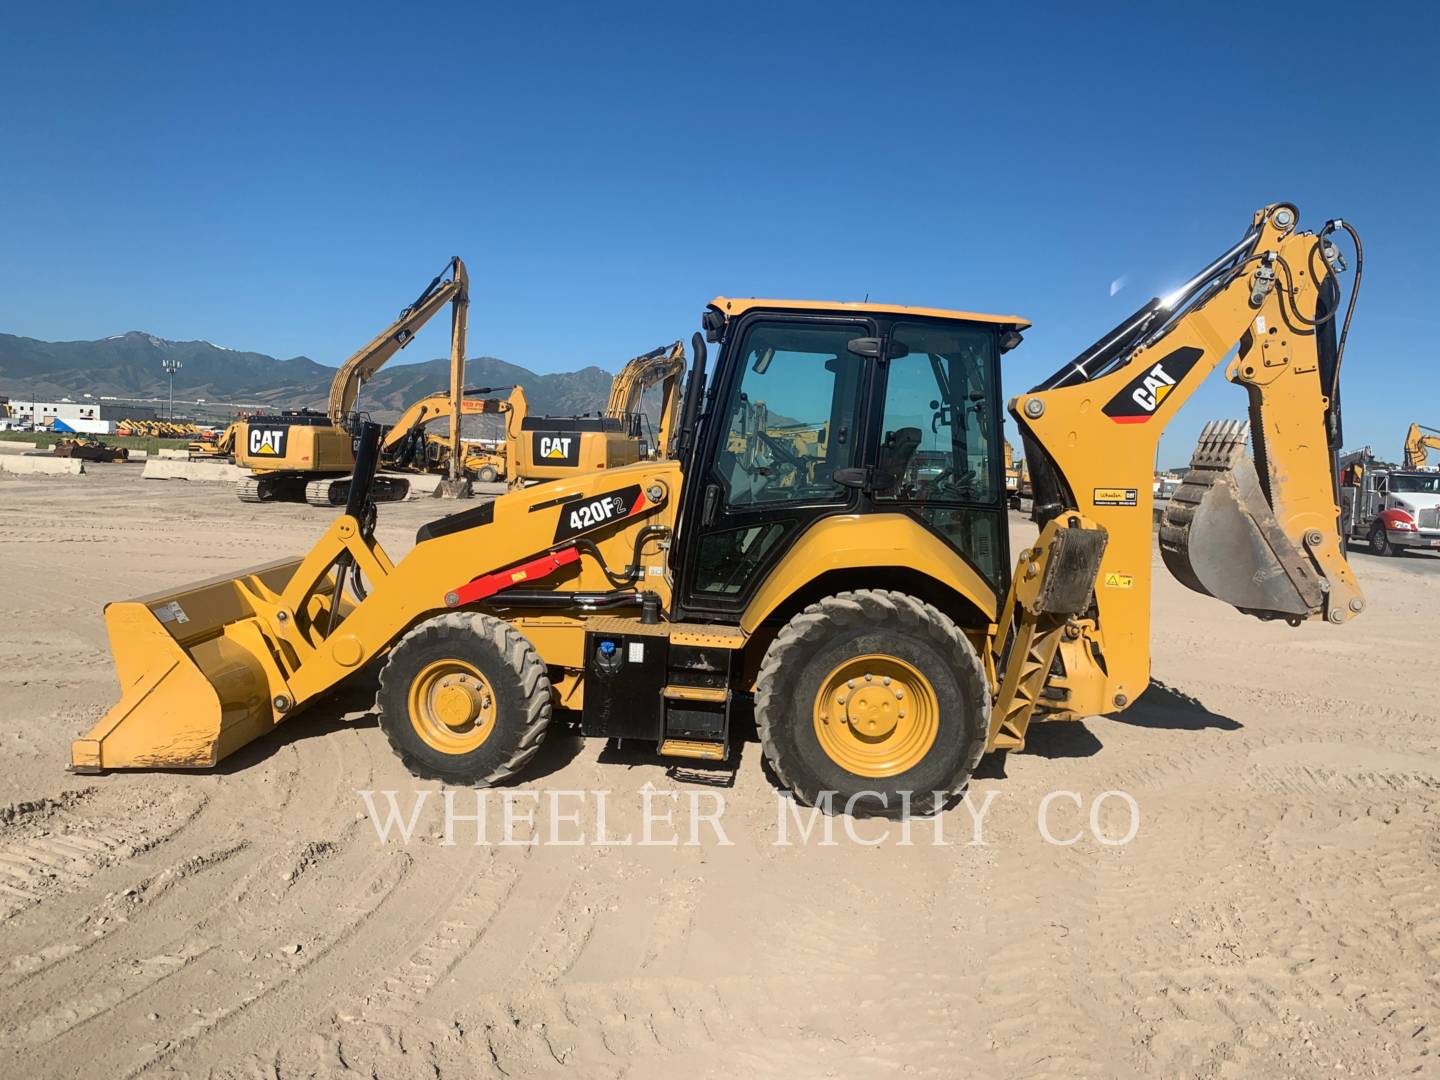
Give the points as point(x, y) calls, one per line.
point(222, 446)
point(407, 445)
point(663, 366)
point(865, 601)
point(1419, 441)
point(540, 448)
point(311, 454)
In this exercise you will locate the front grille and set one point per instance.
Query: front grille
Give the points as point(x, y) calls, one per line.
point(1428, 518)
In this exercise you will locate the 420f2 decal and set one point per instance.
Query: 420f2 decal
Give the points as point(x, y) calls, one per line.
point(1143, 394)
point(584, 515)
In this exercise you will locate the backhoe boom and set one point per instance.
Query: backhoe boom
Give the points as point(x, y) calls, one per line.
point(1262, 537)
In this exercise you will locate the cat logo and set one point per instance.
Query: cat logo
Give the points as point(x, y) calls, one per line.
point(554, 448)
point(1143, 394)
point(268, 442)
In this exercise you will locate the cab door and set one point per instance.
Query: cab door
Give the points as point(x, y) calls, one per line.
point(789, 415)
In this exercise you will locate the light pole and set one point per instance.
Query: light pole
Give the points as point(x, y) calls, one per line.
point(171, 365)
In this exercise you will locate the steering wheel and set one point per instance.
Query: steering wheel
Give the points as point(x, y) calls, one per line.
point(952, 483)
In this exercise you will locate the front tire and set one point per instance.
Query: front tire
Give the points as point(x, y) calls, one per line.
point(487, 474)
point(1379, 542)
point(870, 694)
point(464, 697)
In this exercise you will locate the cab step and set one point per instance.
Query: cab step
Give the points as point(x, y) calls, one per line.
point(702, 749)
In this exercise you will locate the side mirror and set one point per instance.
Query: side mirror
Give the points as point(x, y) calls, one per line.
point(713, 323)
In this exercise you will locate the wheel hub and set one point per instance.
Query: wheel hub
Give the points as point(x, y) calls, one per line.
point(876, 715)
point(458, 701)
point(452, 706)
point(872, 712)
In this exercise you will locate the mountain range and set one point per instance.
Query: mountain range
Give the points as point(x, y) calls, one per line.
point(131, 365)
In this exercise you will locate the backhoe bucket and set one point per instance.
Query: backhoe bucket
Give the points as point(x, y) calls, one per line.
point(198, 677)
point(1219, 534)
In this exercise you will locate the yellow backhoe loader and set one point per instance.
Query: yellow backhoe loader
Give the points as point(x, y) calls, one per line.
point(1419, 441)
point(866, 598)
point(311, 454)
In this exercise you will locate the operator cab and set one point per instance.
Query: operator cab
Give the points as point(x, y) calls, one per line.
point(818, 410)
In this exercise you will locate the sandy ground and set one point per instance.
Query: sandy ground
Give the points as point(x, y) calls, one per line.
point(1278, 912)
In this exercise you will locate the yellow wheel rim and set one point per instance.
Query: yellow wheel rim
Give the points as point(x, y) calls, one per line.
point(452, 706)
point(876, 715)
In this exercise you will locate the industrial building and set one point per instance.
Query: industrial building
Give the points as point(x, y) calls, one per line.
point(44, 413)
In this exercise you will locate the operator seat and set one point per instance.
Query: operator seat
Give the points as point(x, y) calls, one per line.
point(896, 450)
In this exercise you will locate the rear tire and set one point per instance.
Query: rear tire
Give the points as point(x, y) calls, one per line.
point(464, 697)
point(814, 679)
point(1379, 542)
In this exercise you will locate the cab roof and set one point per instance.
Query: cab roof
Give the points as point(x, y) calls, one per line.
point(737, 306)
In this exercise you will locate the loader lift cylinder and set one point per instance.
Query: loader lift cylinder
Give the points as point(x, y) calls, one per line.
point(367, 460)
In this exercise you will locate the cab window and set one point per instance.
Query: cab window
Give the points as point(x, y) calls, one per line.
point(791, 417)
point(939, 455)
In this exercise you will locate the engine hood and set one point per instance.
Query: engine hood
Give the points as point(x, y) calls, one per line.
point(1414, 500)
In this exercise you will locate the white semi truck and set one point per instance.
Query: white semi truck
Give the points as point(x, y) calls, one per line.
point(1392, 510)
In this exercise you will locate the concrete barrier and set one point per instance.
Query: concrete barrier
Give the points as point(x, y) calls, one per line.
point(138, 455)
point(213, 472)
point(424, 485)
point(173, 455)
point(42, 466)
point(421, 484)
point(8, 447)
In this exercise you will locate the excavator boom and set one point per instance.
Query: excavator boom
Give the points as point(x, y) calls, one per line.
point(371, 357)
point(662, 365)
point(1419, 441)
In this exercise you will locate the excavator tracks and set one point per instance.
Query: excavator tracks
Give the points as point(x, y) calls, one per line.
point(252, 489)
point(334, 491)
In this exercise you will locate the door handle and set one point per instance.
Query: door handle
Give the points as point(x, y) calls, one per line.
point(712, 499)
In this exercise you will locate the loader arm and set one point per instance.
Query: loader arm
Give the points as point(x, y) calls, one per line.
point(1418, 445)
point(371, 357)
point(1263, 537)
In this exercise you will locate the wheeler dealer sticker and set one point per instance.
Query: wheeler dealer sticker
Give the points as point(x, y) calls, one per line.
point(1116, 496)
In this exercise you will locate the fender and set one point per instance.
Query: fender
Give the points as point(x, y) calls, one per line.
point(869, 542)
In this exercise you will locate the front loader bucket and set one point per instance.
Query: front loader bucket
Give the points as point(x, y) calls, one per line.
point(197, 675)
point(1219, 534)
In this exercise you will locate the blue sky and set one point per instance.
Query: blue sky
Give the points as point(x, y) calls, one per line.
point(285, 178)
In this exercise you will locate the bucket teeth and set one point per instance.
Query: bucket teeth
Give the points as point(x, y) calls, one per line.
point(1222, 444)
point(1219, 534)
